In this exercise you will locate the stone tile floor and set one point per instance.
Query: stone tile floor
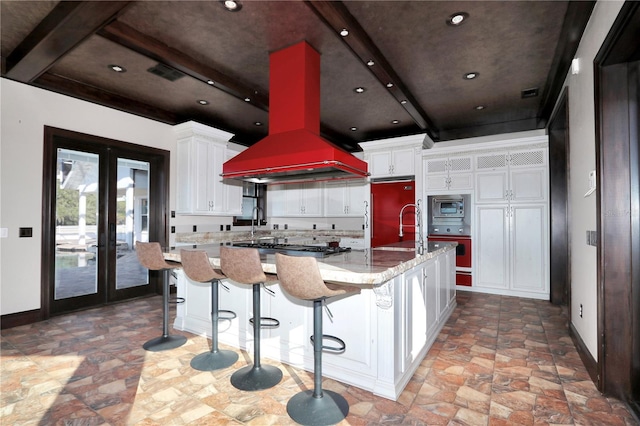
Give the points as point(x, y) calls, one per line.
point(498, 361)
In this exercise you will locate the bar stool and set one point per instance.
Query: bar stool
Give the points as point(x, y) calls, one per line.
point(243, 266)
point(300, 277)
point(197, 267)
point(150, 256)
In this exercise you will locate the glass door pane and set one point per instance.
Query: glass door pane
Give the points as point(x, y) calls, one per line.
point(76, 213)
point(132, 221)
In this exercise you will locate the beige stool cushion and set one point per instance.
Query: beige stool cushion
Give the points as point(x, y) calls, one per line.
point(150, 256)
point(196, 265)
point(300, 277)
point(243, 266)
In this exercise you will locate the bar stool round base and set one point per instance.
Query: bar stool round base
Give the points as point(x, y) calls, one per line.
point(164, 343)
point(209, 361)
point(251, 378)
point(307, 410)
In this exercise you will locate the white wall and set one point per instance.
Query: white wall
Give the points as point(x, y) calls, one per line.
point(583, 160)
point(25, 111)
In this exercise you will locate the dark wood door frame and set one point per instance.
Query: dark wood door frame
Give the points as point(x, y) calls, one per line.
point(617, 89)
point(158, 226)
point(560, 253)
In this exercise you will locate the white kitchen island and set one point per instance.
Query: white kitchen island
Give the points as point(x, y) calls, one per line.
point(388, 328)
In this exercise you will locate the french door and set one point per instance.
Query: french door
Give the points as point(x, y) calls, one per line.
point(101, 196)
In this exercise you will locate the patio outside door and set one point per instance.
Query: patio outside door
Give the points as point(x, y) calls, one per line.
point(102, 200)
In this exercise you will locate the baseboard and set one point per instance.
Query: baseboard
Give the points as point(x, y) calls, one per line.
point(587, 359)
point(20, 318)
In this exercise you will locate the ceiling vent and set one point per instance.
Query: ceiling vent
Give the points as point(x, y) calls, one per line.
point(166, 72)
point(530, 93)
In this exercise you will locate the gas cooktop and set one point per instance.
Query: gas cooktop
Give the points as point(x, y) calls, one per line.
point(293, 249)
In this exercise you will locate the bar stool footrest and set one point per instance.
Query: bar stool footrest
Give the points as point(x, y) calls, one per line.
point(229, 315)
point(270, 322)
point(341, 348)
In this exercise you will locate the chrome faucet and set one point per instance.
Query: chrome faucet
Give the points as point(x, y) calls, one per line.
point(418, 223)
point(256, 209)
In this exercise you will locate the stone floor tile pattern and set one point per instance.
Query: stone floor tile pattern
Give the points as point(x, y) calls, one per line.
point(498, 361)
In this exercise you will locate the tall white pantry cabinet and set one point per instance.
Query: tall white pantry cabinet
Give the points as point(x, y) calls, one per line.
point(510, 212)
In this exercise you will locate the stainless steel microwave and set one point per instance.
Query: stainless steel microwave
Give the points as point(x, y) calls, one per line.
point(447, 207)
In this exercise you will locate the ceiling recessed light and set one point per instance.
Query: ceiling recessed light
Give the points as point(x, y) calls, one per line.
point(203, 102)
point(479, 107)
point(389, 85)
point(344, 32)
point(359, 90)
point(211, 82)
point(404, 101)
point(471, 75)
point(371, 63)
point(258, 123)
point(247, 99)
point(353, 129)
point(457, 19)
point(117, 68)
point(395, 121)
point(232, 5)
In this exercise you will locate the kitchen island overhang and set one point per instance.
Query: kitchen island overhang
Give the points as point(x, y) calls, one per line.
point(405, 301)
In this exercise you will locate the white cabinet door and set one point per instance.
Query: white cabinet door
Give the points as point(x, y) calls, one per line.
point(528, 185)
point(311, 195)
point(415, 318)
point(276, 200)
point(453, 173)
point(431, 285)
point(357, 195)
point(335, 199)
point(492, 247)
point(397, 162)
point(380, 163)
point(403, 162)
point(529, 269)
point(491, 187)
point(295, 200)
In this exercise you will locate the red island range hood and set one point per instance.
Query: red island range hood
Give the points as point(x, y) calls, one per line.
point(294, 151)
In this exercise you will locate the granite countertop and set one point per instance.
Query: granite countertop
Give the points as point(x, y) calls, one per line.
point(363, 267)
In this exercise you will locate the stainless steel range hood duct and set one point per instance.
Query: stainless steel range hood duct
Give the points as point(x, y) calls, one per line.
point(294, 151)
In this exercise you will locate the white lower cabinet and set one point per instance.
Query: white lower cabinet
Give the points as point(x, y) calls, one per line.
point(510, 249)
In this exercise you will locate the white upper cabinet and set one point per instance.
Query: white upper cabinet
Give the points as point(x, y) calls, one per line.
point(305, 199)
point(395, 162)
point(344, 198)
point(395, 157)
point(450, 173)
point(200, 153)
point(512, 176)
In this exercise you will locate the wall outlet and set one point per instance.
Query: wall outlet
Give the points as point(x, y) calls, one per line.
point(195, 228)
point(286, 226)
point(580, 312)
point(275, 226)
point(25, 232)
point(228, 227)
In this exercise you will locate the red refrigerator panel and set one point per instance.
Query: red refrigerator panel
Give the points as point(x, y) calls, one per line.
point(387, 199)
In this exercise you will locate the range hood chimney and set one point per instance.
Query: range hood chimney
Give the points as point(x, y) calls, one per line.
point(294, 151)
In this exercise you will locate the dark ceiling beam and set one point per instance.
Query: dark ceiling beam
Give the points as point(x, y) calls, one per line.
point(148, 46)
point(67, 25)
point(575, 21)
point(73, 88)
point(337, 16)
